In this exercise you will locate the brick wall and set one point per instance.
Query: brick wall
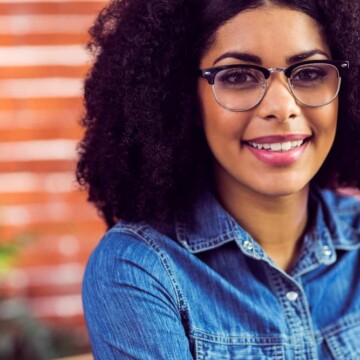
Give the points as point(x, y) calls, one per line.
point(42, 65)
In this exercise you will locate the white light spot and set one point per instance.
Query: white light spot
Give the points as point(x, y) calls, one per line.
point(60, 149)
point(292, 295)
point(71, 55)
point(248, 245)
point(40, 88)
point(44, 24)
point(326, 251)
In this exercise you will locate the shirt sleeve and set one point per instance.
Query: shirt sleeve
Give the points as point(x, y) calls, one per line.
point(130, 304)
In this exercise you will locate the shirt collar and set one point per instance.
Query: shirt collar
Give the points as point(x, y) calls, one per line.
point(336, 225)
point(208, 227)
point(339, 215)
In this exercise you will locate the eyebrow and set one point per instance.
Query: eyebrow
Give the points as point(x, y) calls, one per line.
point(244, 56)
point(304, 55)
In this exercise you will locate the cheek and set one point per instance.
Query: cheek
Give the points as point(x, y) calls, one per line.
point(209, 108)
point(219, 124)
point(323, 121)
point(332, 115)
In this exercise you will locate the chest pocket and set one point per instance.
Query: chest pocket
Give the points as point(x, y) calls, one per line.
point(214, 347)
point(343, 339)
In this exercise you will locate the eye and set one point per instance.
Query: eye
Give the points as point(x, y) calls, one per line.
point(309, 75)
point(239, 78)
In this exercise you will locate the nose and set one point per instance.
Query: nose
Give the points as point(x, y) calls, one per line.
point(278, 102)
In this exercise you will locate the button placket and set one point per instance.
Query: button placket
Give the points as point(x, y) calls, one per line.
point(292, 296)
point(326, 255)
point(326, 251)
point(296, 313)
point(250, 249)
point(248, 245)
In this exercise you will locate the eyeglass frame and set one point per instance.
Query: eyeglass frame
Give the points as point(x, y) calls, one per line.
point(210, 73)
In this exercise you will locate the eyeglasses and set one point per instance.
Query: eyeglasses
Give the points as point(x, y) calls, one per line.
point(241, 87)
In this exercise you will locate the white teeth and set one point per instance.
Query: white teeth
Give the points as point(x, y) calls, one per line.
point(296, 143)
point(285, 146)
point(275, 147)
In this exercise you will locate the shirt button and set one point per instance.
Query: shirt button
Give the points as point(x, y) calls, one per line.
point(292, 295)
point(248, 245)
point(326, 251)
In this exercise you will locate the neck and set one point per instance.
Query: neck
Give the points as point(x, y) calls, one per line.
point(277, 223)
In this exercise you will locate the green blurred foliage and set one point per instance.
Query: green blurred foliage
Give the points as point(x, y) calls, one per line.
point(22, 337)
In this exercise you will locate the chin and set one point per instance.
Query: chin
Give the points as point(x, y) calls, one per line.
point(281, 188)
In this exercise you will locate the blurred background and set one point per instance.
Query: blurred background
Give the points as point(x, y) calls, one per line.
point(47, 230)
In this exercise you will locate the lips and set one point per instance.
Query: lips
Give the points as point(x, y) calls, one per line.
point(280, 150)
point(281, 146)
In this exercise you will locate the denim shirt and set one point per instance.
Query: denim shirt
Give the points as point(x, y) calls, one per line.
point(207, 290)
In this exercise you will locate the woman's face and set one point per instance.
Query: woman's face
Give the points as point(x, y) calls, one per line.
point(277, 37)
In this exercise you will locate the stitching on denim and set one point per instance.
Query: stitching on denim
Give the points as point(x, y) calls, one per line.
point(334, 347)
point(199, 350)
point(278, 286)
point(348, 322)
point(240, 343)
point(142, 232)
point(227, 235)
point(215, 242)
point(206, 244)
point(276, 349)
point(239, 339)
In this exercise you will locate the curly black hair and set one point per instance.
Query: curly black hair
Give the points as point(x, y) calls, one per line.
point(144, 155)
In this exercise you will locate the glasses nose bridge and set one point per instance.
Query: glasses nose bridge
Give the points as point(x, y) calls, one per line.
point(287, 81)
point(277, 70)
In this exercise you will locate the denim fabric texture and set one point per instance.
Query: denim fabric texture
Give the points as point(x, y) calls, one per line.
point(207, 290)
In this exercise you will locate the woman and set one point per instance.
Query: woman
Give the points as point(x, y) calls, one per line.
point(216, 135)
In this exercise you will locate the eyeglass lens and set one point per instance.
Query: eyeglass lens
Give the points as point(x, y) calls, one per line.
point(242, 88)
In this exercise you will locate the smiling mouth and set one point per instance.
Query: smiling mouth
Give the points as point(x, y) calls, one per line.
point(278, 146)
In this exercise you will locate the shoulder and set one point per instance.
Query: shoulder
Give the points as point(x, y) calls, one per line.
point(343, 210)
point(129, 289)
point(129, 243)
point(343, 202)
point(132, 255)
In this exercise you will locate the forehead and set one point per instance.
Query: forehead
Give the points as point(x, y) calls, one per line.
point(270, 32)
